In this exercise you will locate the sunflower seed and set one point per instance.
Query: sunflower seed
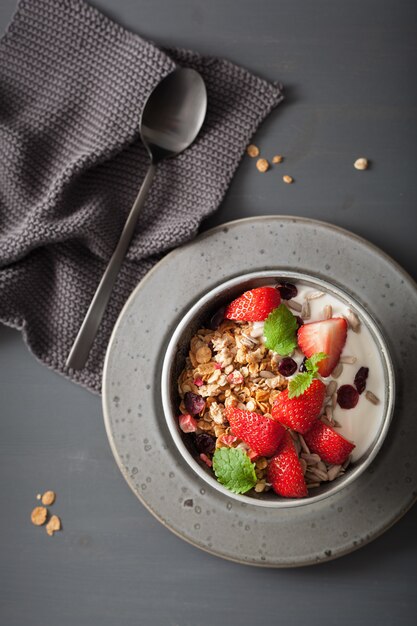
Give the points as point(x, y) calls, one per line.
point(267, 374)
point(346, 463)
point(371, 397)
point(303, 444)
point(318, 473)
point(305, 310)
point(297, 445)
point(337, 370)
point(326, 421)
point(293, 434)
point(311, 459)
point(353, 320)
point(333, 471)
point(294, 305)
point(327, 311)
point(331, 388)
point(349, 360)
point(321, 466)
point(312, 485)
point(313, 295)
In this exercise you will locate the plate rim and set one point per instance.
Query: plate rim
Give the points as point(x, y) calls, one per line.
point(106, 415)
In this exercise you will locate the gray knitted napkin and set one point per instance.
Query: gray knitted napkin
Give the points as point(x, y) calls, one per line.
point(72, 85)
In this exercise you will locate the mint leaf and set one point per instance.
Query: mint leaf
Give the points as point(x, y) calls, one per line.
point(299, 384)
point(311, 364)
point(280, 331)
point(234, 469)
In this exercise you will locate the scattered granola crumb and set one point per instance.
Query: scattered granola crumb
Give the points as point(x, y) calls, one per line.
point(53, 525)
point(288, 179)
point(48, 498)
point(252, 150)
point(262, 165)
point(361, 164)
point(38, 496)
point(277, 158)
point(39, 515)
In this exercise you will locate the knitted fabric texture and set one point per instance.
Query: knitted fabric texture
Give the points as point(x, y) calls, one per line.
point(72, 85)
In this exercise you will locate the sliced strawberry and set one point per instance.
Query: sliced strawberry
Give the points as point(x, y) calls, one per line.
point(254, 305)
point(300, 413)
point(328, 444)
point(327, 336)
point(262, 434)
point(285, 472)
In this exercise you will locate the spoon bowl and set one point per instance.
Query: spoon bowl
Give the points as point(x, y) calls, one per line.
point(173, 114)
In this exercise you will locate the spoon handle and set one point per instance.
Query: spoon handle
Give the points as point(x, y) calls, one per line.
point(88, 330)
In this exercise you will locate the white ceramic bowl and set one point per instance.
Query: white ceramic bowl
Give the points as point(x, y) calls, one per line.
point(199, 315)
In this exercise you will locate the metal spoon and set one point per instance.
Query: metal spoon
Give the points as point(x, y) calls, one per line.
point(171, 120)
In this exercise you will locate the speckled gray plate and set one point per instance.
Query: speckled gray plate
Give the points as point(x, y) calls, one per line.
point(140, 439)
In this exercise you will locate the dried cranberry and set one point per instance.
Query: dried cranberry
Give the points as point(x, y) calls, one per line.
point(217, 318)
point(287, 290)
point(302, 367)
point(205, 443)
point(193, 403)
point(360, 379)
point(347, 397)
point(287, 366)
point(299, 321)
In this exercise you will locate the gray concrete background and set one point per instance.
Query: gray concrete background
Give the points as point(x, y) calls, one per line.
point(349, 69)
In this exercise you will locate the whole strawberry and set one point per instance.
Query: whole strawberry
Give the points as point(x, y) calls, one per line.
point(254, 305)
point(262, 434)
point(301, 412)
point(285, 472)
point(328, 444)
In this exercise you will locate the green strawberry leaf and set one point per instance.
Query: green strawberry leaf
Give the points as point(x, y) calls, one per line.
point(234, 469)
point(311, 364)
point(299, 384)
point(280, 331)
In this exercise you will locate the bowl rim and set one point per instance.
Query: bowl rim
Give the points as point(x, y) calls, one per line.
point(337, 291)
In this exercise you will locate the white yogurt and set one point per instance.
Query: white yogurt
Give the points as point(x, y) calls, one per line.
point(362, 423)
